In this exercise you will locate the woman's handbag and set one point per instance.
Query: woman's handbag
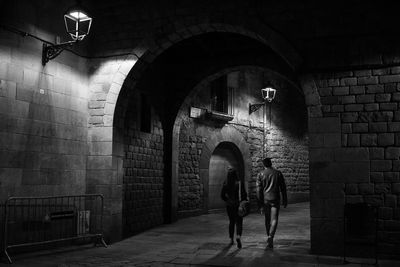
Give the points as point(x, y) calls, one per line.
point(244, 205)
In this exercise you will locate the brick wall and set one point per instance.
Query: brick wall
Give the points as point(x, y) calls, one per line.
point(286, 139)
point(291, 157)
point(355, 152)
point(190, 187)
point(143, 182)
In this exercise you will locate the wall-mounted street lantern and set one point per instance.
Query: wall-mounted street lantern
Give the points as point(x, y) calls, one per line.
point(268, 94)
point(77, 24)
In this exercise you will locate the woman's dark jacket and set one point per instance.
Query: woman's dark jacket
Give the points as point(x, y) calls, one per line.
point(230, 193)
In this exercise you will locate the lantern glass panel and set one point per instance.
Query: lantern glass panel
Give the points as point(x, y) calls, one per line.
point(70, 24)
point(268, 93)
point(77, 24)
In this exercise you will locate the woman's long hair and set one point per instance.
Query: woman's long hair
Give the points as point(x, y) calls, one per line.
point(232, 177)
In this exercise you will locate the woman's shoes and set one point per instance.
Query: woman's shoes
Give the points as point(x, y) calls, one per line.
point(239, 243)
point(270, 242)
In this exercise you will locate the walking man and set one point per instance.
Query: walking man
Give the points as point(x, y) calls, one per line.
point(270, 185)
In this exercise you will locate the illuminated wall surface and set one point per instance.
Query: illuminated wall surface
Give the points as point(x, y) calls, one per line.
point(78, 124)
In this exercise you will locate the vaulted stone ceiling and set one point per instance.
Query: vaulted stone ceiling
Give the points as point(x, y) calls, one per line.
point(334, 33)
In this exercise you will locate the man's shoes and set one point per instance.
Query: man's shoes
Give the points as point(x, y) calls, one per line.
point(270, 242)
point(231, 243)
point(239, 243)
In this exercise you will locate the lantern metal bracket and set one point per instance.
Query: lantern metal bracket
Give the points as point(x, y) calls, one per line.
point(51, 51)
point(255, 107)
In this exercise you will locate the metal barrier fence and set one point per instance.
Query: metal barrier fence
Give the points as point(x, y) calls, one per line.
point(30, 221)
point(1, 225)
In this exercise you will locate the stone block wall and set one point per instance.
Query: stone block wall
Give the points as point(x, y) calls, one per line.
point(290, 155)
point(354, 153)
point(43, 109)
point(190, 192)
point(43, 121)
point(143, 181)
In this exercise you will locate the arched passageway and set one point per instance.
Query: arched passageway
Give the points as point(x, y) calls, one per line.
point(198, 138)
point(145, 155)
point(67, 138)
point(165, 84)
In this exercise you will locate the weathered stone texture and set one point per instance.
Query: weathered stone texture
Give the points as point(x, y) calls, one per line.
point(44, 110)
point(43, 128)
point(143, 179)
point(369, 133)
point(327, 235)
point(190, 188)
point(284, 143)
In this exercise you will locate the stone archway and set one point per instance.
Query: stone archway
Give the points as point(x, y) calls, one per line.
point(110, 77)
point(225, 155)
point(105, 159)
point(235, 139)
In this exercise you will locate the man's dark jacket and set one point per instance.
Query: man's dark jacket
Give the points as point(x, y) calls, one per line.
point(270, 183)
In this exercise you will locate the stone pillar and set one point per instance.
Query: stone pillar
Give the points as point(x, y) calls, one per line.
point(170, 190)
point(326, 186)
point(104, 176)
point(331, 167)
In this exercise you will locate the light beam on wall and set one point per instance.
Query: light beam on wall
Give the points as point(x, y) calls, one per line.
point(268, 94)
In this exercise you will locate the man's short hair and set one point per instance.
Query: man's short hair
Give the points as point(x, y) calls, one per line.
point(267, 162)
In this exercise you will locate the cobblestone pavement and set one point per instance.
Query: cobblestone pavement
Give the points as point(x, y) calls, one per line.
point(200, 241)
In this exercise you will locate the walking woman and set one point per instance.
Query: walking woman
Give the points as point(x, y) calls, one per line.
point(230, 194)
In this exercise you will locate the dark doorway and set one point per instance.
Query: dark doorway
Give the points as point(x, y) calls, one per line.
point(225, 155)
